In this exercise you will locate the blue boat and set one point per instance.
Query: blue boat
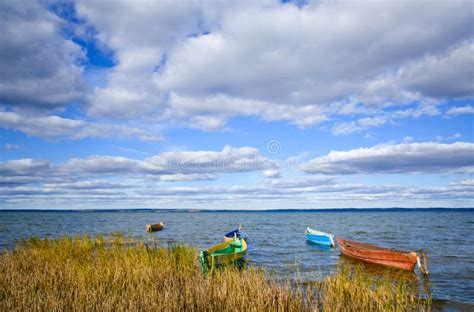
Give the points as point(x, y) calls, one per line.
point(319, 238)
point(235, 233)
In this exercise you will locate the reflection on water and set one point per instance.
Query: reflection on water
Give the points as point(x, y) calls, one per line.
point(421, 281)
point(318, 247)
point(376, 270)
point(277, 240)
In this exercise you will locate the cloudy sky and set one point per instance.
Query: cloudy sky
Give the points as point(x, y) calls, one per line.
point(236, 104)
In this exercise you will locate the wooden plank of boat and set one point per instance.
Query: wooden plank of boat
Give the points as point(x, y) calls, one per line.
point(155, 227)
point(223, 254)
point(320, 238)
point(378, 255)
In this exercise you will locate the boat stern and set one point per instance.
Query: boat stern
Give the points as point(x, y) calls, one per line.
point(203, 259)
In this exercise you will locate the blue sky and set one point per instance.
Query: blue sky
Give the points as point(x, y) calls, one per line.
point(247, 105)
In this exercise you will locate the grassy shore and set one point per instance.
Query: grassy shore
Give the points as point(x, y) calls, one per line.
point(118, 273)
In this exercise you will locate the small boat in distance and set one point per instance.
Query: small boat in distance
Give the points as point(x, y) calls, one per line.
point(378, 255)
point(320, 238)
point(223, 254)
point(237, 233)
point(155, 227)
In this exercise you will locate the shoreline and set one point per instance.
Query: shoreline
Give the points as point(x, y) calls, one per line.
point(118, 272)
point(291, 249)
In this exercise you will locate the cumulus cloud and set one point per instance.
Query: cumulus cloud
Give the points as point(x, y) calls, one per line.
point(229, 160)
point(140, 35)
point(307, 192)
point(24, 167)
point(39, 67)
point(167, 166)
point(464, 185)
point(198, 64)
point(201, 64)
point(312, 47)
point(396, 158)
point(97, 165)
point(440, 76)
point(448, 75)
point(50, 127)
point(175, 166)
point(316, 49)
point(112, 177)
point(212, 112)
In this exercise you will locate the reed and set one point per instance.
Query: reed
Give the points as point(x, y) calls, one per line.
point(352, 287)
point(120, 273)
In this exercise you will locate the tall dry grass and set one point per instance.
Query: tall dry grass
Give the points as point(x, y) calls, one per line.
point(118, 273)
point(364, 292)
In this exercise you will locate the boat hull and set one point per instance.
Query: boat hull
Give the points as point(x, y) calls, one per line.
point(378, 255)
point(223, 254)
point(320, 238)
point(155, 227)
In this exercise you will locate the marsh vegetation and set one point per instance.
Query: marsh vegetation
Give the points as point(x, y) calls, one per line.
point(120, 273)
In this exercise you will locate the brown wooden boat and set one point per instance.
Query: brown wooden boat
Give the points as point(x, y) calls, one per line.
point(378, 255)
point(155, 227)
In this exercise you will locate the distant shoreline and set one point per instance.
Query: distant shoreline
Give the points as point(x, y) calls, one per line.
point(395, 209)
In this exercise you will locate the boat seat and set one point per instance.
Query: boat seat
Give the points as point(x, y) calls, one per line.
point(236, 244)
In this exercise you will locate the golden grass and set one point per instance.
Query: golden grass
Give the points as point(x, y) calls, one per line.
point(117, 273)
point(364, 292)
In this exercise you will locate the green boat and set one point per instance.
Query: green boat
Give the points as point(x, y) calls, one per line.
point(223, 254)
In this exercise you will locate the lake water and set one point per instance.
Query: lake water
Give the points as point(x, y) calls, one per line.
point(277, 241)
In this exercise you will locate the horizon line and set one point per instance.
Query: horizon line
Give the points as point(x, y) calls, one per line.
point(239, 210)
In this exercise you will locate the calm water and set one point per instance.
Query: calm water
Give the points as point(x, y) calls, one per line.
point(277, 241)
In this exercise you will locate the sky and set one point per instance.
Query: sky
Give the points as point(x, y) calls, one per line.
point(236, 104)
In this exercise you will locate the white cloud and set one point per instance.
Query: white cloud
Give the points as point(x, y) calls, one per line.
point(460, 110)
point(24, 167)
point(271, 174)
point(344, 128)
point(449, 75)
point(167, 166)
point(302, 182)
point(50, 127)
point(87, 185)
point(39, 67)
point(201, 64)
point(309, 192)
point(229, 160)
point(212, 112)
point(187, 177)
point(396, 158)
point(140, 35)
point(288, 55)
point(455, 136)
point(96, 165)
point(444, 75)
point(98, 179)
point(467, 184)
point(382, 118)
